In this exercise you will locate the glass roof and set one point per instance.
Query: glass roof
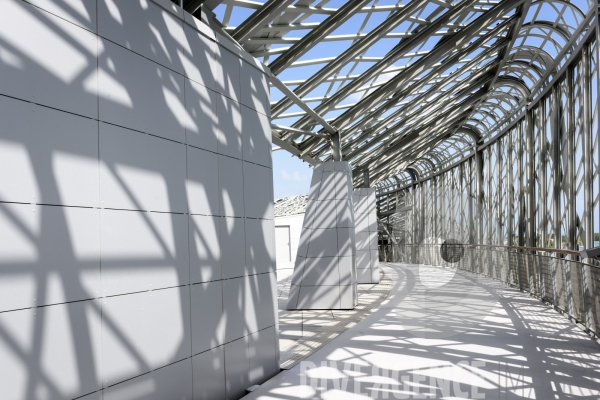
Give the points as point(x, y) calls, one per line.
point(411, 84)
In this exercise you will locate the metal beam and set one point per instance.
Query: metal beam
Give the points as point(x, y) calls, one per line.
point(293, 150)
point(394, 55)
point(359, 112)
point(459, 40)
point(292, 96)
point(314, 37)
point(394, 147)
point(298, 131)
point(503, 57)
point(356, 49)
point(258, 19)
point(439, 102)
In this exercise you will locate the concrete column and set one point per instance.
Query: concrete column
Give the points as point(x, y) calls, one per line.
point(325, 269)
point(365, 217)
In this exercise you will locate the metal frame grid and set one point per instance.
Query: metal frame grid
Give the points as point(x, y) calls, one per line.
point(408, 84)
point(543, 170)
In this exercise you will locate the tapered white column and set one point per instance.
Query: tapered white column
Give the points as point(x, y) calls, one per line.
point(367, 253)
point(325, 269)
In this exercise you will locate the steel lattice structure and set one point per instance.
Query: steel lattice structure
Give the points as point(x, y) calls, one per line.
point(476, 120)
point(409, 84)
point(444, 103)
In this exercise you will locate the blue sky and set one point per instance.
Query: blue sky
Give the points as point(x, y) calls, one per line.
point(291, 176)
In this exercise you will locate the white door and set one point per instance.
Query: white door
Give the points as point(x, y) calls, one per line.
point(282, 244)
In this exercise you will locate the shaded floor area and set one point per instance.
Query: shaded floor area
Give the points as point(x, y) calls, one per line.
point(448, 334)
point(301, 333)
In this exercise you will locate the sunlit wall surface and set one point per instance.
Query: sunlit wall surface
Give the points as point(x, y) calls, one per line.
point(136, 216)
point(324, 275)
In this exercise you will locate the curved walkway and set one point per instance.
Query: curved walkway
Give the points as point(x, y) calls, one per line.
point(448, 334)
point(301, 333)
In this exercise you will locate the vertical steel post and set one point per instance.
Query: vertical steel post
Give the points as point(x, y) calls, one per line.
point(462, 200)
point(367, 180)
point(479, 208)
point(500, 219)
point(569, 182)
point(422, 194)
point(479, 195)
point(336, 146)
point(472, 197)
point(510, 200)
point(588, 240)
point(489, 204)
point(522, 204)
point(443, 205)
point(434, 200)
point(543, 162)
point(556, 195)
point(531, 229)
point(543, 193)
point(489, 201)
point(531, 238)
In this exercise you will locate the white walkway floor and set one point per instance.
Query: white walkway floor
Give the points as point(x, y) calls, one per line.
point(448, 335)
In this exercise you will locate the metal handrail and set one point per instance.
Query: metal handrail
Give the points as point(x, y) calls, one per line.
point(524, 248)
point(569, 284)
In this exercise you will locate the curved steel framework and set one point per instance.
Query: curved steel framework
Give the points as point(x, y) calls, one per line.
point(527, 201)
point(415, 83)
point(477, 120)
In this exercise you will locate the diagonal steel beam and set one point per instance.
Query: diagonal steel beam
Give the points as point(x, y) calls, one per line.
point(383, 124)
point(357, 48)
point(309, 111)
point(259, 19)
point(394, 55)
point(428, 110)
point(458, 40)
point(392, 102)
point(316, 35)
point(359, 113)
point(394, 148)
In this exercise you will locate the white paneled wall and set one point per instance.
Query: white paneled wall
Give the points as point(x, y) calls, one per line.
point(292, 225)
point(136, 205)
point(324, 274)
point(367, 253)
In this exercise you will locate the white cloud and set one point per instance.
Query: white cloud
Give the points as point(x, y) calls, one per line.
point(294, 176)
